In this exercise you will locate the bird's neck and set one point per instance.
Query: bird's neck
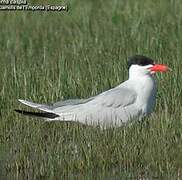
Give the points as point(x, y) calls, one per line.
point(143, 84)
point(145, 87)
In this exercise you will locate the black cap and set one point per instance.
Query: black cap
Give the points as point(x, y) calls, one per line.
point(139, 60)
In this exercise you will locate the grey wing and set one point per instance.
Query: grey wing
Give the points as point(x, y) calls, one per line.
point(118, 97)
point(100, 107)
point(71, 102)
point(60, 104)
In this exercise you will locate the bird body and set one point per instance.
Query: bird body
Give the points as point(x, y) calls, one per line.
point(134, 98)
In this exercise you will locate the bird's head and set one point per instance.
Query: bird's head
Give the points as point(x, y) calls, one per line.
point(139, 65)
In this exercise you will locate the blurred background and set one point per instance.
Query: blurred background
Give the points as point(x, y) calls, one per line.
point(52, 56)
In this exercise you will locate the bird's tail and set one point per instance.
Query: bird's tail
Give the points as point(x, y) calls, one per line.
point(38, 114)
point(42, 107)
point(47, 113)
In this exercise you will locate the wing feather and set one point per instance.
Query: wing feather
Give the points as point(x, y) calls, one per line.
point(71, 102)
point(118, 97)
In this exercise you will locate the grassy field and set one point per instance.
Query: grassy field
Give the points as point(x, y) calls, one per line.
point(48, 57)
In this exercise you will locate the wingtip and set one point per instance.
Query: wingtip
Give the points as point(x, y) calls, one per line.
point(38, 114)
point(21, 100)
point(24, 101)
point(18, 111)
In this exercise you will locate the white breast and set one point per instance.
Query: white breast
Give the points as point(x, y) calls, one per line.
point(146, 90)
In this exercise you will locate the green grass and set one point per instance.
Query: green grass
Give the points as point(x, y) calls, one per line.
point(47, 57)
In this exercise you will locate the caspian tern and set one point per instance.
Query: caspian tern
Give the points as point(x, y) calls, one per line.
point(134, 98)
